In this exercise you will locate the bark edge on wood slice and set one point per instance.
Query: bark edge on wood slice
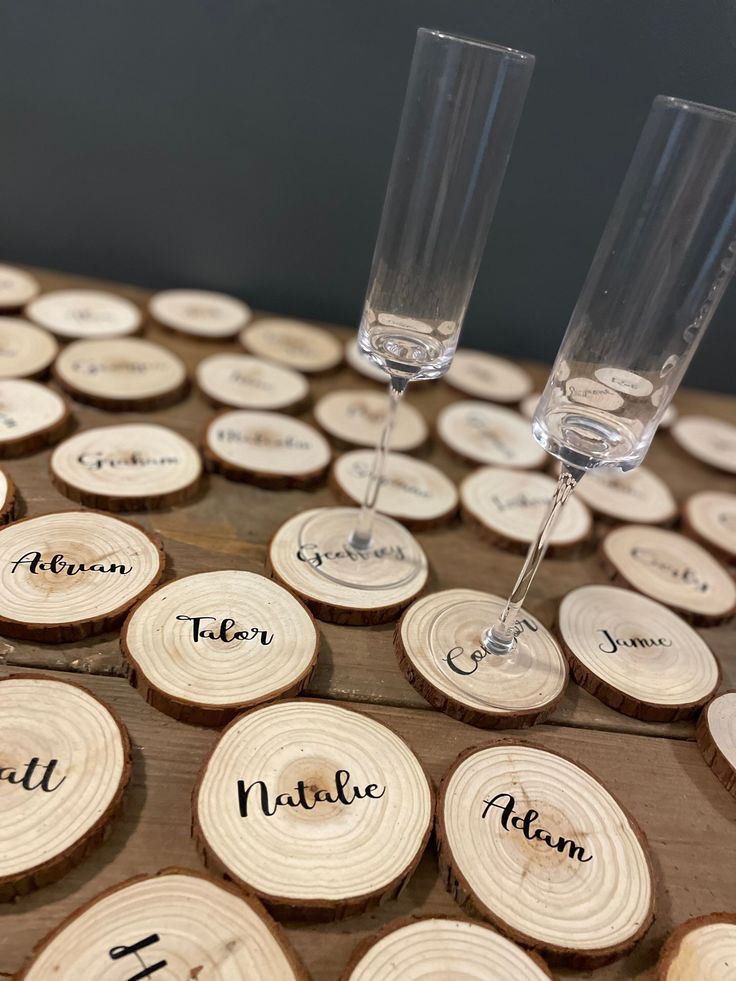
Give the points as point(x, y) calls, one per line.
point(7, 498)
point(268, 449)
point(716, 737)
point(356, 417)
point(27, 350)
point(710, 518)
point(487, 434)
point(95, 535)
point(31, 416)
point(707, 439)
point(197, 887)
point(17, 287)
point(78, 313)
point(111, 737)
point(479, 879)
point(242, 381)
point(437, 945)
point(672, 569)
point(121, 374)
point(127, 467)
point(333, 601)
point(488, 377)
point(200, 314)
point(452, 621)
point(185, 675)
point(304, 347)
point(385, 826)
point(637, 677)
point(712, 936)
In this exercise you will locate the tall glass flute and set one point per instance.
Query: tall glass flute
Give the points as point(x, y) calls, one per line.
point(662, 266)
point(462, 106)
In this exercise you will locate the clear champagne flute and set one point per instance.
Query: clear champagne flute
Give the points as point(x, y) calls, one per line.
point(462, 106)
point(661, 268)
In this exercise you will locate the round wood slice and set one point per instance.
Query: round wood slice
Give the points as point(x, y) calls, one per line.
point(672, 569)
point(669, 417)
point(178, 922)
point(199, 313)
point(701, 949)
point(204, 647)
point(245, 382)
point(508, 506)
point(392, 575)
point(7, 498)
point(265, 448)
point(710, 516)
point(66, 761)
point(121, 373)
point(26, 351)
point(72, 314)
point(535, 843)
point(712, 441)
point(414, 492)
point(133, 466)
point(438, 645)
point(637, 496)
point(356, 417)
point(68, 575)
point(636, 655)
point(31, 416)
point(293, 343)
point(482, 433)
point(441, 948)
point(484, 376)
point(319, 810)
point(528, 405)
point(17, 288)
point(716, 735)
point(363, 365)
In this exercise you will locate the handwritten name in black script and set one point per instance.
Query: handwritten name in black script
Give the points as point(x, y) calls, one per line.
point(135, 949)
point(102, 461)
point(460, 662)
point(251, 379)
point(306, 797)
point(118, 367)
point(224, 630)
point(59, 566)
point(670, 568)
point(363, 471)
point(610, 644)
point(520, 501)
point(42, 775)
point(490, 435)
point(312, 554)
point(263, 438)
point(506, 803)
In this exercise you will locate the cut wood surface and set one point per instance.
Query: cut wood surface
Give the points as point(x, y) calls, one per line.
point(82, 313)
point(433, 947)
point(179, 920)
point(321, 811)
point(710, 516)
point(26, 351)
point(484, 376)
point(7, 498)
point(482, 433)
point(702, 948)
point(17, 287)
point(244, 382)
point(635, 654)
point(637, 496)
point(199, 313)
point(121, 373)
point(716, 736)
point(301, 346)
point(712, 441)
point(536, 844)
point(31, 416)
point(363, 365)
point(206, 646)
point(132, 466)
point(356, 417)
point(65, 765)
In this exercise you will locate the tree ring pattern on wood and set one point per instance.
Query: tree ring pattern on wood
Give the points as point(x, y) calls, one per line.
point(244, 382)
point(84, 313)
point(716, 736)
point(485, 376)
point(293, 343)
point(31, 416)
point(710, 516)
point(356, 417)
point(199, 313)
point(26, 351)
point(701, 949)
point(483, 433)
point(712, 441)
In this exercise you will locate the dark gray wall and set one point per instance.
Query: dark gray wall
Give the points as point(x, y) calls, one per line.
point(245, 146)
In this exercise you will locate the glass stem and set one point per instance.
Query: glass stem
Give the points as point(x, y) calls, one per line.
point(501, 637)
point(362, 534)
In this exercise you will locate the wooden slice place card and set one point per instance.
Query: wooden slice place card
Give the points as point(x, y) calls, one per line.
point(440, 947)
point(356, 417)
point(199, 313)
point(317, 809)
point(701, 949)
point(482, 433)
point(26, 351)
point(340, 584)
point(536, 844)
point(637, 496)
point(179, 922)
point(31, 416)
point(416, 493)
point(17, 288)
point(363, 365)
point(712, 441)
point(484, 376)
point(438, 645)
point(716, 735)
point(636, 655)
point(205, 647)
point(672, 569)
point(710, 516)
point(7, 498)
point(84, 314)
point(293, 343)
point(507, 506)
point(265, 448)
point(121, 373)
point(66, 761)
point(245, 382)
point(68, 575)
point(129, 467)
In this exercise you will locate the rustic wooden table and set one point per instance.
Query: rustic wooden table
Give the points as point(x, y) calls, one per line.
point(655, 769)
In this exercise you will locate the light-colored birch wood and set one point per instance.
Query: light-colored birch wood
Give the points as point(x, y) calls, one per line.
point(76, 313)
point(199, 313)
point(17, 287)
point(639, 496)
point(483, 433)
point(356, 417)
point(716, 736)
point(31, 416)
point(710, 517)
point(363, 365)
point(701, 949)
point(241, 381)
point(26, 351)
point(712, 441)
point(485, 376)
point(293, 343)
